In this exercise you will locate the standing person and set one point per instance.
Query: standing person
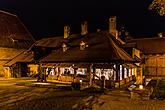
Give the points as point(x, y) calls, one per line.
point(39, 73)
point(38, 76)
point(110, 75)
point(42, 77)
point(102, 82)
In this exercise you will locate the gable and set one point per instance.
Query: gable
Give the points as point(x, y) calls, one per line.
point(150, 45)
point(13, 33)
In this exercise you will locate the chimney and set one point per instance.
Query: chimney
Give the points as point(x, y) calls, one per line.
point(66, 31)
point(112, 26)
point(84, 28)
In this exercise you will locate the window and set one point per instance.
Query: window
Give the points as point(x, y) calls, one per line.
point(82, 45)
point(120, 72)
point(64, 46)
point(125, 72)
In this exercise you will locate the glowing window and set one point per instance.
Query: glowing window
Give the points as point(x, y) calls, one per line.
point(129, 73)
point(82, 45)
point(64, 46)
point(125, 72)
point(120, 72)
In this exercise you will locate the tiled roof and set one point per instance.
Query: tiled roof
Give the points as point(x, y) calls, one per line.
point(49, 42)
point(22, 57)
point(101, 49)
point(13, 33)
point(150, 45)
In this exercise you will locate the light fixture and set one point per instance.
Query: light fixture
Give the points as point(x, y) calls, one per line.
point(140, 86)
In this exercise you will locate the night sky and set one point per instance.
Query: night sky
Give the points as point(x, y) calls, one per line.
point(46, 18)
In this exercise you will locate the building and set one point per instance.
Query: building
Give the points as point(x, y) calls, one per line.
point(88, 54)
point(14, 38)
point(153, 55)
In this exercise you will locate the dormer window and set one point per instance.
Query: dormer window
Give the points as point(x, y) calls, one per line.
point(64, 46)
point(83, 45)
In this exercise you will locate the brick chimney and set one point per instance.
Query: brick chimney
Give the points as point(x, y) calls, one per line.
point(112, 26)
point(84, 28)
point(66, 31)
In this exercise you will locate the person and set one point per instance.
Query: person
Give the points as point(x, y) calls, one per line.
point(42, 77)
point(110, 83)
point(48, 72)
point(144, 81)
point(68, 72)
point(102, 82)
point(65, 71)
point(38, 76)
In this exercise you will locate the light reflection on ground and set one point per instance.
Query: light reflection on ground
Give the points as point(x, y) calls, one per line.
point(16, 97)
point(41, 83)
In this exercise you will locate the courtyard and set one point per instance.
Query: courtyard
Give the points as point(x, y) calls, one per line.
point(27, 94)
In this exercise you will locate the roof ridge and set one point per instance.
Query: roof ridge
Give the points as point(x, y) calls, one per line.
point(8, 13)
point(44, 38)
point(111, 42)
point(116, 47)
point(149, 38)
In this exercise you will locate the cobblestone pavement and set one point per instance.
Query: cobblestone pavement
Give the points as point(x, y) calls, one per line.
point(120, 100)
point(23, 94)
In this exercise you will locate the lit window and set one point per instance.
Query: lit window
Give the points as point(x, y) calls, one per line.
point(114, 66)
point(133, 71)
point(64, 46)
point(129, 72)
point(82, 71)
point(83, 45)
point(108, 73)
point(125, 72)
point(120, 72)
point(114, 72)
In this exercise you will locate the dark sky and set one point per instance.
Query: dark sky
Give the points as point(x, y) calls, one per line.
point(47, 17)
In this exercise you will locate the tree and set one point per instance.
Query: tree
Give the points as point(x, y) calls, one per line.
point(159, 6)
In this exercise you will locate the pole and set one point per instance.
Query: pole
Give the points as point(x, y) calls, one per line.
point(119, 74)
point(90, 75)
